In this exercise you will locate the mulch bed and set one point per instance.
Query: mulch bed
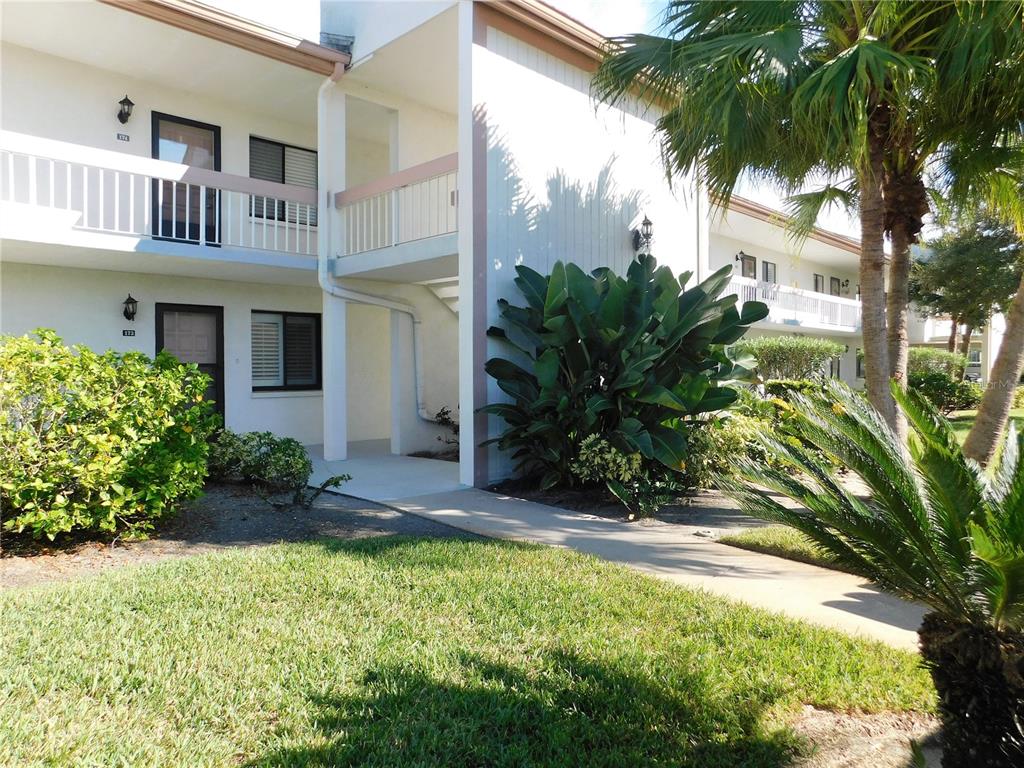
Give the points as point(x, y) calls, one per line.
point(224, 516)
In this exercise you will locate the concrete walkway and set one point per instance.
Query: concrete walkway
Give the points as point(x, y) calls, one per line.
point(378, 475)
point(669, 551)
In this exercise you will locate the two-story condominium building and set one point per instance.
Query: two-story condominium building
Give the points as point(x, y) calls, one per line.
point(326, 228)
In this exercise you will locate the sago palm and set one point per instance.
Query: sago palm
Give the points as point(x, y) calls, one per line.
point(935, 528)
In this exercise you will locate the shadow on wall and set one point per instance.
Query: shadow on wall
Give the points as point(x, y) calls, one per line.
point(588, 223)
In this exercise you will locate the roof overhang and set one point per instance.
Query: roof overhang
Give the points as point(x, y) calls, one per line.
point(242, 33)
point(772, 216)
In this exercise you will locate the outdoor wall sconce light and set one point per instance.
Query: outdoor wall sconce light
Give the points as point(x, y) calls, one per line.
point(643, 235)
point(131, 306)
point(741, 256)
point(126, 109)
point(846, 283)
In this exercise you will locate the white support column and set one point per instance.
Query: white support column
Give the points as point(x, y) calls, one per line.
point(335, 352)
point(471, 201)
point(331, 144)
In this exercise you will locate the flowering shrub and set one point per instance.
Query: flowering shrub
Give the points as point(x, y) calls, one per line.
point(642, 486)
point(99, 442)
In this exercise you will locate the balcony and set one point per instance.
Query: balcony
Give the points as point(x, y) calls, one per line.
point(58, 192)
point(798, 308)
point(402, 226)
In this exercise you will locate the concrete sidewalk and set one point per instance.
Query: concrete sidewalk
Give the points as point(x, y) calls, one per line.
point(825, 597)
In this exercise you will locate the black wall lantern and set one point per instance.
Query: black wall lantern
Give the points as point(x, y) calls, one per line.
point(741, 256)
point(126, 109)
point(131, 306)
point(642, 236)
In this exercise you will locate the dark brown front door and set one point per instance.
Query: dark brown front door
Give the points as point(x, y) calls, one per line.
point(195, 334)
point(181, 210)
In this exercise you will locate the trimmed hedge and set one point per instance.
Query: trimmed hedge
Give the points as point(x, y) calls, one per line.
point(96, 442)
point(789, 357)
point(922, 360)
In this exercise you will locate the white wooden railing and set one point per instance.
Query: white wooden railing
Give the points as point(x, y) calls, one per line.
point(795, 306)
point(122, 194)
point(410, 205)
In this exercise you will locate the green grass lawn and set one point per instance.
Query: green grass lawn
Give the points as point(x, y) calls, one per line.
point(396, 651)
point(962, 421)
point(781, 541)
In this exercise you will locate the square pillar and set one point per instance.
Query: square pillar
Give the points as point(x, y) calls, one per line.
point(335, 373)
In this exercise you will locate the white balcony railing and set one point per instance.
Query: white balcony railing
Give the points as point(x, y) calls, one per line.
point(410, 205)
point(797, 307)
point(122, 194)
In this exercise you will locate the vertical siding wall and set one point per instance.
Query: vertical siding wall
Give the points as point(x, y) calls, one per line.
point(563, 182)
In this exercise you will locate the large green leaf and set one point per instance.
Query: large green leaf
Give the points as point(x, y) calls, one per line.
point(669, 446)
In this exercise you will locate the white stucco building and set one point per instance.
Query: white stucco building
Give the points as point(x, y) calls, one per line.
point(327, 227)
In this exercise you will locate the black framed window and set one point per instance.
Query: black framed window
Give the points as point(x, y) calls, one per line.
point(768, 272)
point(285, 164)
point(748, 266)
point(286, 350)
point(819, 283)
point(834, 286)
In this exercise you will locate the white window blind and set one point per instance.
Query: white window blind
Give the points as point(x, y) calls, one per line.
point(267, 350)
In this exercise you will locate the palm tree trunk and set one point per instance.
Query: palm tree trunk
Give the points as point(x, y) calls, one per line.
point(994, 410)
point(954, 327)
point(872, 284)
point(965, 341)
point(896, 313)
point(978, 673)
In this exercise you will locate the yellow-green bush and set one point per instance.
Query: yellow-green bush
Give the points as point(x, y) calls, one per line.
point(92, 441)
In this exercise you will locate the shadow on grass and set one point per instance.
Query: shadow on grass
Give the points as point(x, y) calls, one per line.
point(561, 710)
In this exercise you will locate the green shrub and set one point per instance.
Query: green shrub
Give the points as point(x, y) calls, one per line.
point(96, 442)
point(632, 359)
point(790, 357)
point(922, 360)
point(261, 459)
point(945, 392)
point(643, 486)
point(270, 464)
point(718, 443)
point(784, 388)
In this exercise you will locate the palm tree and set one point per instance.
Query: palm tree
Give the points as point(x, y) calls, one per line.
point(791, 91)
point(937, 530)
point(989, 172)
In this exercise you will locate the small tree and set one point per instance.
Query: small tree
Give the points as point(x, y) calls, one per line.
point(968, 274)
point(789, 357)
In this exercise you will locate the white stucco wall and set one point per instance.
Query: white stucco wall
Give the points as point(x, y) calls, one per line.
point(562, 183)
point(794, 269)
point(84, 307)
point(60, 99)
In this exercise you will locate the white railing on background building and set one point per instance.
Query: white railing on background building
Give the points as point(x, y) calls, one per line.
point(410, 205)
point(797, 307)
point(123, 194)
